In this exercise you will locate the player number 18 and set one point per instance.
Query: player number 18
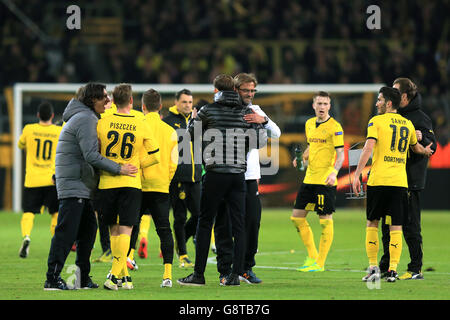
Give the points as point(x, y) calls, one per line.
point(403, 141)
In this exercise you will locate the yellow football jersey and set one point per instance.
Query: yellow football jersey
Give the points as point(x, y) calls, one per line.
point(157, 178)
point(39, 142)
point(113, 110)
point(323, 139)
point(394, 135)
point(121, 138)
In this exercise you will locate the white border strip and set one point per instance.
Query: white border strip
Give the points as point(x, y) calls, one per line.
point(20, 88)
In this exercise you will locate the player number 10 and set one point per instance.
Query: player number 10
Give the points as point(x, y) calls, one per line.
point(46, 149)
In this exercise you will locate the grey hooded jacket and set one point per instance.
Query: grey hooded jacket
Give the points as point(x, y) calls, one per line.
point(77, 153)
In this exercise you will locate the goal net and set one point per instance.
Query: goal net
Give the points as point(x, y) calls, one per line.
point(289, 106)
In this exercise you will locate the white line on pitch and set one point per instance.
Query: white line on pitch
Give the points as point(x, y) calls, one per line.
point(212, 260)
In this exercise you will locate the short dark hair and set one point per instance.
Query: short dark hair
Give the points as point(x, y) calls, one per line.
point(224, 82)
point(151, 99)
point(391, 94)
point(184, 91)
point(122, 94)
point(90, 92)
point(321, 94)
point(406, 86)
point(45, 111)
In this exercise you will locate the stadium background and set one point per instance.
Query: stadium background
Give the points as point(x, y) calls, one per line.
point(189, 42)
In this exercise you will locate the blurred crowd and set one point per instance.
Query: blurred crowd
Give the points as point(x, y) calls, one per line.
point(189, 41)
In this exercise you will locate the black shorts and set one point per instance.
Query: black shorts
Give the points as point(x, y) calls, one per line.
point(119, 205)
point(316, 197)
point(157, 204)
point(387, 201)
point(35, 198)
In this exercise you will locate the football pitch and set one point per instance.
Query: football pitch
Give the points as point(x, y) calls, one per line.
point(280, 253)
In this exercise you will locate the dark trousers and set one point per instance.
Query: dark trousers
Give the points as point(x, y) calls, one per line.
point(184, 196)
point(217, 187)
point(103, 230)
point(76, 222)
point(411, 233)
point(222, 231)
point(157, 204)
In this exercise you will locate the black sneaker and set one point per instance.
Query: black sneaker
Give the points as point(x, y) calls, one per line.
point(222, 278)
point(392, 276)
point(232, 280)
point(373, 274)
point(57, 284)
point(24, 249)
point(192, 280)
point(250, 277)
point(88, 284)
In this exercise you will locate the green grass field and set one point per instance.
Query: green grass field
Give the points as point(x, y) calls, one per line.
point(280, 253)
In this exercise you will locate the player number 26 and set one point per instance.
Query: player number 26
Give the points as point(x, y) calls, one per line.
point(126, 147)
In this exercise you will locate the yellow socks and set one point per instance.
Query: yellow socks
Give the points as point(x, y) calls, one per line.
point(306, 235)
point(144, 226)
point(167, 271)
point(372, 245)
point(326, 239)
point(26, 223)
point(213, 239)
point(115, 253)
point(395, 249)
point(124, 246)
point(53, 223)
point(119, 249)
point(113, 240)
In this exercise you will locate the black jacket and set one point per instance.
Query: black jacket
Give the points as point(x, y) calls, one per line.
point(416, 165)
point(225, 135)
point(187, 171)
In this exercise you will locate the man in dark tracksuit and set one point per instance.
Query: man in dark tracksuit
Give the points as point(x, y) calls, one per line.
point(227, 138)
point(185, 186)
point(416, 169)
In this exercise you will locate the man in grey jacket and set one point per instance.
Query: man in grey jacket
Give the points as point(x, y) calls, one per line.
point(77, 157)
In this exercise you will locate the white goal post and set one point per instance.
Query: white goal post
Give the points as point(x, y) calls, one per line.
point(21, 88)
